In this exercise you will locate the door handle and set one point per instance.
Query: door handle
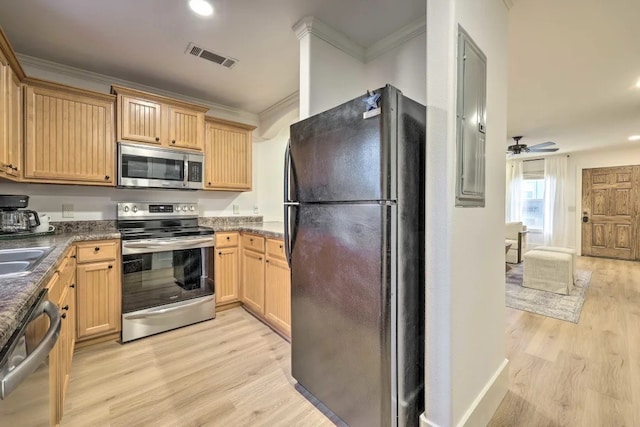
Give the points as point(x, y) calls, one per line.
point(585, 216)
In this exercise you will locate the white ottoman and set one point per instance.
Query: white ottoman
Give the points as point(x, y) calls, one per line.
point(562, 250)
point(548, 271)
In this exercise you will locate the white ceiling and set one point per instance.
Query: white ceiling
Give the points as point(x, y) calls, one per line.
point(144, 40)
point(573, 66)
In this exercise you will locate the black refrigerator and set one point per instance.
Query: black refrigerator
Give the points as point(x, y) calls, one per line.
point(354, 236)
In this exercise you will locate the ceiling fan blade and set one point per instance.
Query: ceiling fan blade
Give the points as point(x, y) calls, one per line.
point(542, 145)
point(543, 150)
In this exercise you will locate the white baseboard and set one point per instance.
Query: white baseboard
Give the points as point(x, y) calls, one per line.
point(485, 405)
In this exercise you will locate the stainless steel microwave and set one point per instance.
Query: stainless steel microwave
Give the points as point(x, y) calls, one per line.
point(142, 166)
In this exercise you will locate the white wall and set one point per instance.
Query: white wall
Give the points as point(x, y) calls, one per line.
point(404, 67)
point(466, 367)
point(270, 186)
point(607, 157)
point(333, 76)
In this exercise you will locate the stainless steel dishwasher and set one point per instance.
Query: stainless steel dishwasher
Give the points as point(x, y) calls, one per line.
point(24, 367)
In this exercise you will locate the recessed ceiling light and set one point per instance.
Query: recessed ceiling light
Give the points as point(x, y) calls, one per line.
point(638, 84)
point(201, 7)
point(634, 138)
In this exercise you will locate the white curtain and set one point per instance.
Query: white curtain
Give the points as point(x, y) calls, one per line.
point(514, 191)
point(555, 201)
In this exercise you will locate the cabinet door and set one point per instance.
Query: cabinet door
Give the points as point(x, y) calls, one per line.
point(228, 158)
point(253, 280)
point(227, 275)
point(139, 120)
point(186, 128)
point(97, 299)
point(4, 112)
point(14, 125)
point(69, 138)
point(278, 294)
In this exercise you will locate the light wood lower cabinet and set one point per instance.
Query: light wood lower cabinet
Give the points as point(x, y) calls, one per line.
point(69, 135)
point(227, 269)
point(253, 280)
point(98, 289)
point(266, 281)
point(277, 308)
point(62, 292)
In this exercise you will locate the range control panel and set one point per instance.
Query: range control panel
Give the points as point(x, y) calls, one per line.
point(128, 210)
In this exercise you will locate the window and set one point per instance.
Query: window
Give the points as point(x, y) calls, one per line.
point(533, 203)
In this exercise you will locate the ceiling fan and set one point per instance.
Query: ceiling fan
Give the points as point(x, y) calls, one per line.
point(518, 148)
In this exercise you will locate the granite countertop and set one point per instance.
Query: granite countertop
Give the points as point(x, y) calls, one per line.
point(273, 229)
point(17, 294)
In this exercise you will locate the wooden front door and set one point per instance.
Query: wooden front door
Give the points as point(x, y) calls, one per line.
point(611, 204)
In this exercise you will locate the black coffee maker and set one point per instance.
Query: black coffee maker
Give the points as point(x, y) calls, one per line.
point(15, 219)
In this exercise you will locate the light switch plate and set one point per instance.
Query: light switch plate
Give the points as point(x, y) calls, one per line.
point(236, 209)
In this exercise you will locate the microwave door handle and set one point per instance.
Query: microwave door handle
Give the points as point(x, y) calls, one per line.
point(185, 183)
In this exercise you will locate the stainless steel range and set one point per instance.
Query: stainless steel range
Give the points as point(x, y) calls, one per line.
point(167, 268)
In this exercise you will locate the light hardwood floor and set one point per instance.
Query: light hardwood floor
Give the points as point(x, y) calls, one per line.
point(585, 374)
point(232, 371)
point(235, 371)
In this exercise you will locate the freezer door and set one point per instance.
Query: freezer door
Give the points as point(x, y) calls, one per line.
point(341, 309)
point(339, 155)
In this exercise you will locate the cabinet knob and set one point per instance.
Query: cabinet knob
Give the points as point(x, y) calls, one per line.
point(228, 238)
point(219, 253)
point(64, 315)
point(260, 259)
point(110, 266)
point(157, 139)
point(251, 240)
point(72, 286)
point(73, 257)
point(97, 248)
point(10, 165)
point(15, 168)
point(209, 183)
point(66, 307)
point(267, 261)
point(106, 177)
point(280, 246)
point(173, 142)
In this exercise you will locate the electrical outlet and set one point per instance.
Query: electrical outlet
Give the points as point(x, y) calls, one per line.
point(67, 211)
point(236, 209)
point(256, 209)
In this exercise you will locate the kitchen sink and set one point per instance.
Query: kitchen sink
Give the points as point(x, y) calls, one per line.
point(21, 261)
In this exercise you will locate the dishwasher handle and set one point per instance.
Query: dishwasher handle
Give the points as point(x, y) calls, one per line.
point(21, 371)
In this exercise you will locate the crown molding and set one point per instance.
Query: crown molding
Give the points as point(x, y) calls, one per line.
point(509, 3)
point(42, 64)
point(279, 114)
point(311, 25)
point(396, 38)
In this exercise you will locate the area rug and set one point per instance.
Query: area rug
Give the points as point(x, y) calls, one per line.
point(563, 307)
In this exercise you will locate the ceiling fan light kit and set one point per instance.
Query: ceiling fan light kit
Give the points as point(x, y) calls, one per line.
point(518, 148)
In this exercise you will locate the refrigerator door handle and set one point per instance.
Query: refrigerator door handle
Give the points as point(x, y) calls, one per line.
point(287, 203)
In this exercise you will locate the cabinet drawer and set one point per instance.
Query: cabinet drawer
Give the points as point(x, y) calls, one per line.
point(253, 242)
point(275, 248)
point(97, 251)
point(224, 240)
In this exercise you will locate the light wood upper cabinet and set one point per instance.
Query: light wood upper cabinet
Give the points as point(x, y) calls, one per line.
point(98, 293)
point(11, 114)
point(69, 135)
point(139, 120)
point(148, 118)
point(228, 152)
point(186, 128)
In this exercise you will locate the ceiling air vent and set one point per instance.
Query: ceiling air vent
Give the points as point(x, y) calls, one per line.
point(200, 52)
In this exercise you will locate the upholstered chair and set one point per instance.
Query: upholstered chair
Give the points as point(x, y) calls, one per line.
point(515, 233)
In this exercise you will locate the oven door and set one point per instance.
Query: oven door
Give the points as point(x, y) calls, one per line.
point(141, 166)
point(158, 272)
point(166, 284)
